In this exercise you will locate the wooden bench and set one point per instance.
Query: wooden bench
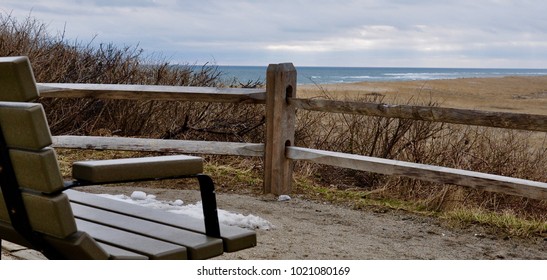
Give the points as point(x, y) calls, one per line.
point(39, 210)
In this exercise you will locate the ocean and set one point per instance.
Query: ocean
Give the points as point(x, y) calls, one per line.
point(330, 75)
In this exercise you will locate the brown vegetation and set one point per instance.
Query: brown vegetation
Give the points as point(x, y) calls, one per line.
point(55, 60)
point(496, 151)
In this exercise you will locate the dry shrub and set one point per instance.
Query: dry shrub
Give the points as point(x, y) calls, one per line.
point(490, 150)
point(55, 60)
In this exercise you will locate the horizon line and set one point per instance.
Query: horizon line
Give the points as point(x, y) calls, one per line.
point(395, 67)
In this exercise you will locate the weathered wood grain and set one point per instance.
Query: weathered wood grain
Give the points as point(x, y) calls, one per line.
point(426, 113)
point(150, 92)
point(280, 127)
point(158, 145)
point(437, 174)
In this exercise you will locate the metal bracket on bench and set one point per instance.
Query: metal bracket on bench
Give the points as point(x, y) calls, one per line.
point(209, 203)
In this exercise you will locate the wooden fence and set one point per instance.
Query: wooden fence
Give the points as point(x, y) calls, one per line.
point(278, 148)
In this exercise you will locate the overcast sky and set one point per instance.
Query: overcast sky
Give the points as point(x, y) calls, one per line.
point(414, 33)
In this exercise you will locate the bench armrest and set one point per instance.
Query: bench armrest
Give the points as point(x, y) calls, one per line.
point(135, 169)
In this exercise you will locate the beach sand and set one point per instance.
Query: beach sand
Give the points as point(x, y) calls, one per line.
point(507, 94)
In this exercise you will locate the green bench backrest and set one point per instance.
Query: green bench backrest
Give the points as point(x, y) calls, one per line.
point(27, 136)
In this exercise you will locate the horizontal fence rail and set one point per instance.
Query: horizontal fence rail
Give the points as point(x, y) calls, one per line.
point(436, 174)
point(148, 92)
point(532, 122)
point(158, 145)
point(427, 113)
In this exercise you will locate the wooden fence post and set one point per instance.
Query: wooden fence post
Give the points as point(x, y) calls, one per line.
point(280, 126)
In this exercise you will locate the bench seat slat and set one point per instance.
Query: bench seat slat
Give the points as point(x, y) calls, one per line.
point(199, 246)
point(152, 248)
point(234, 238)
point(117, 253)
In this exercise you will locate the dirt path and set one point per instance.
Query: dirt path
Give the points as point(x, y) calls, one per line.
point(310, 230)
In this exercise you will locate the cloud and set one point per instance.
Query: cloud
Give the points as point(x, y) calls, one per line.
point(118, 3)
point(357, 33)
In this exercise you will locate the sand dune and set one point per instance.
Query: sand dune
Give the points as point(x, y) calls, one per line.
point(509, 94)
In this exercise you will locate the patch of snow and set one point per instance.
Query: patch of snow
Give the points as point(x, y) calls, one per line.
point(137, 195)
point(178, 202)
point(193, 210)
point(283, 197)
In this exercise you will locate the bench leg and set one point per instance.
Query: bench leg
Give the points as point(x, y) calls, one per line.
point(209, 203)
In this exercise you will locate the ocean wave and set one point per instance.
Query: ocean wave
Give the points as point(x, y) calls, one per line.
point(326, 75)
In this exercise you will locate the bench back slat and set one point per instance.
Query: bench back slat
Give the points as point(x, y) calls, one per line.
point(24, 126)
point(17, 80)
point(38, 170)
point(49, 215)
